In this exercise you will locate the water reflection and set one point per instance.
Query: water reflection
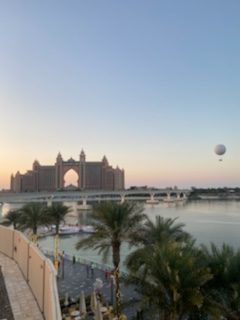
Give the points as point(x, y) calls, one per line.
point(5, 207)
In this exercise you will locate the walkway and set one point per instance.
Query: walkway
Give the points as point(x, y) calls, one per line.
point(23, 304)
point(5, 307)
point(73, 278)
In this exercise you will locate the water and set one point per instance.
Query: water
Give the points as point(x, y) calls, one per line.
point(208, 221)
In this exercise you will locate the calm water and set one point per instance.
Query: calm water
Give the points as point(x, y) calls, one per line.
point(208, 221)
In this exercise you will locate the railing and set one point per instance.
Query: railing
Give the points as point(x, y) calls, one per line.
point(37, 270)
point(83, 261)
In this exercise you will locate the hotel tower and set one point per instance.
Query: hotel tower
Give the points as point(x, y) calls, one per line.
point(92, 175)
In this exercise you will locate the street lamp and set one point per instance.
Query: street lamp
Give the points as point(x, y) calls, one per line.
point(63, 264)
point(112, 283)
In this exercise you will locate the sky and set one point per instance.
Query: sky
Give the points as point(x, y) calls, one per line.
point(153, 85)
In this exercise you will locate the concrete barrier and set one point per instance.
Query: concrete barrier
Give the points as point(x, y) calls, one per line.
point(37, 270)
point(6, 241)
point(21, 252)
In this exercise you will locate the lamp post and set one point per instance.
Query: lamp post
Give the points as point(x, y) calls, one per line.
point(112, 281)
point(63, 264)
point(98, 285)
point(56, 251)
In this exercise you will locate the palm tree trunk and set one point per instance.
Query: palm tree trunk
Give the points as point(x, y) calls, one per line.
point(116, 261)
point(33, 235)
point(35, 238)
point(56, 251)
point(117, 293)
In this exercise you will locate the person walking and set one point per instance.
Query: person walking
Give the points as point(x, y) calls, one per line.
point(106, 274)
point(74, 260)
point(92, 270)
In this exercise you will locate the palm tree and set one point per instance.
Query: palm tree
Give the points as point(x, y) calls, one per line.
point(11, 219)
point(31, 217)
point(164, 229)
point(224, 287)
point(161, 232)
point(161, 243)
point(170, 280)
point(55, 215)
point(114, 223)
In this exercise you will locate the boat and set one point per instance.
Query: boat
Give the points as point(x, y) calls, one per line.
point(68, 230)
point(210, 197)
point(65, 230)
point(173, 200)
point(87, 229)
point(152, 201)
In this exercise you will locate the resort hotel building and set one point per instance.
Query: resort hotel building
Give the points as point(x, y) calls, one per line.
point(92, 175)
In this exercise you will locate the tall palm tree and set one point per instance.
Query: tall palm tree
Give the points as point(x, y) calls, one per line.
point(55, 215)
point(11, 219)
point(164, 229)
point(114, 223)
point(161, 241)
point(160, 231)
point(31, 217)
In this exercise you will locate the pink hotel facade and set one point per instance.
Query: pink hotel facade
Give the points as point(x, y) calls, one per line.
point(91, 176)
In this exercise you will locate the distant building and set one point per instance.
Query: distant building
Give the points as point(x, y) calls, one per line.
point(91, 176)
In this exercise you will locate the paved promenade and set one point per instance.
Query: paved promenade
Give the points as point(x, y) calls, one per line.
point(75, 277)
point(5, 307)
point(22, 301)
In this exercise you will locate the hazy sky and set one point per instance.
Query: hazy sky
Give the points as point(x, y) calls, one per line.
point(154, 85)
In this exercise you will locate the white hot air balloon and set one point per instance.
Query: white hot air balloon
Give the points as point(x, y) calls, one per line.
point(220, 149)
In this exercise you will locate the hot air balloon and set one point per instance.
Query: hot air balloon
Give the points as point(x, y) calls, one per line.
point(220, 149)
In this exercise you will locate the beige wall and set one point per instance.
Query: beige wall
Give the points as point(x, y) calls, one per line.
point(37, 270)
point(36, 274)
point(6, 241)
point(20, 252)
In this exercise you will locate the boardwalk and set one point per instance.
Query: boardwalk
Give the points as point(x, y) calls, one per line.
point(22, 301)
